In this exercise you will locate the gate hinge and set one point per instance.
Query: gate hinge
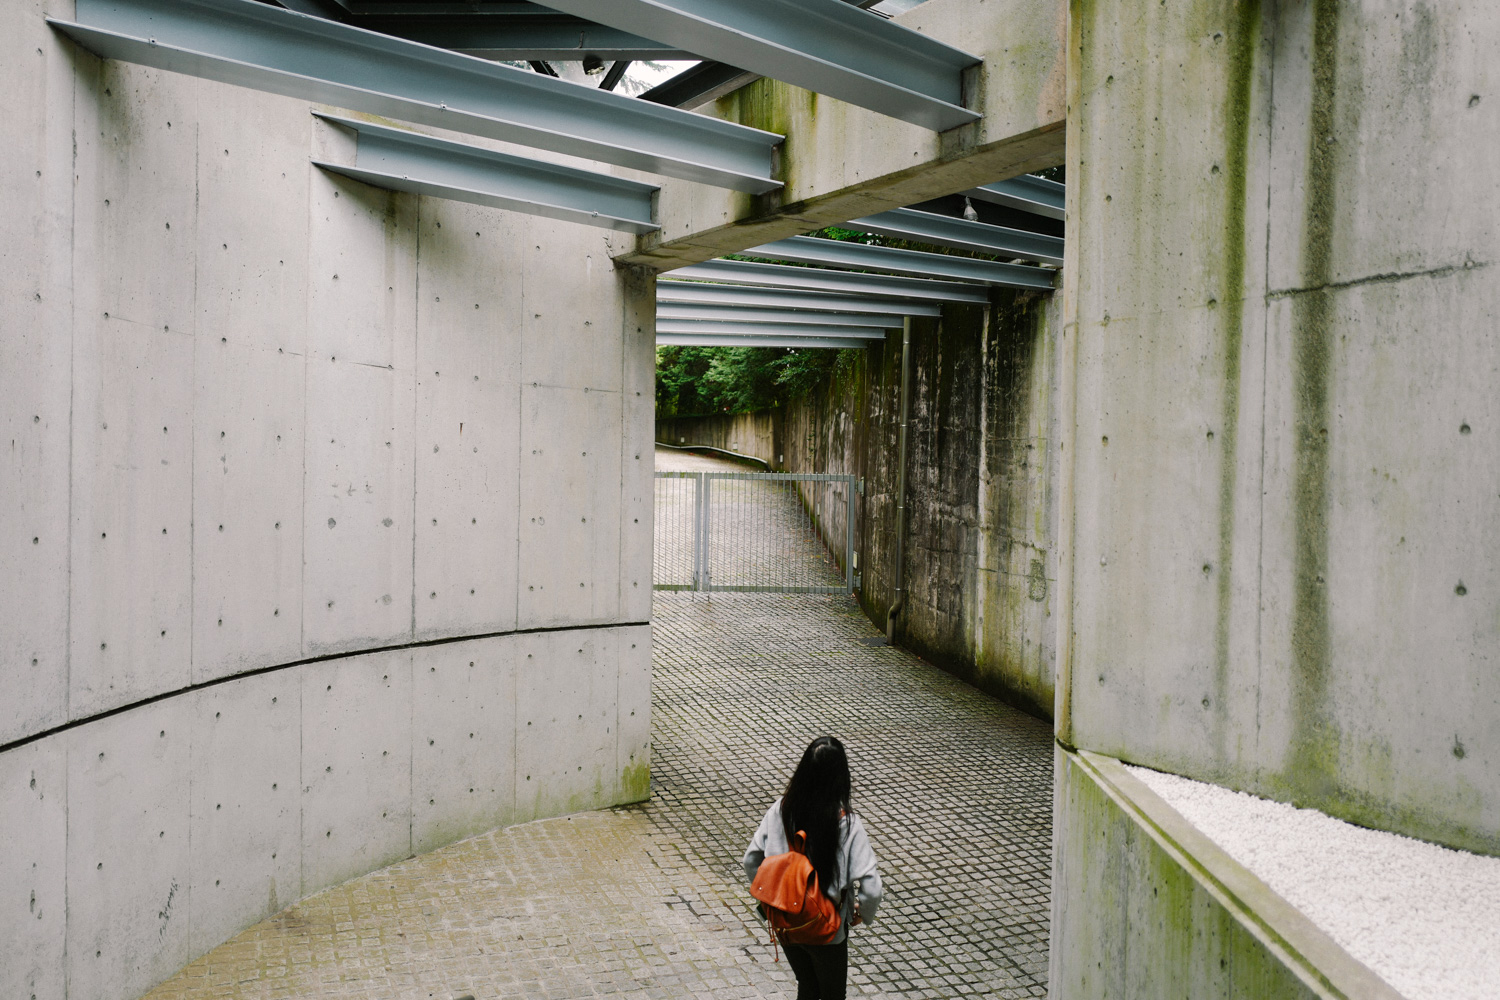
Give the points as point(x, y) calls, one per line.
point(861, 487)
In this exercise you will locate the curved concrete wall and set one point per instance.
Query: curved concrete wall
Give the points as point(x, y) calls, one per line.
point(327, 518)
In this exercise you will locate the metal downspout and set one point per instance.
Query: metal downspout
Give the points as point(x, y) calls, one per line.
point(900, 589)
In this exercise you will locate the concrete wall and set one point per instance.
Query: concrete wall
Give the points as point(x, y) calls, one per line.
point(1279, 357)
point(757, 434)
point(981, 478)
point(328, 518)
point(1283, 546)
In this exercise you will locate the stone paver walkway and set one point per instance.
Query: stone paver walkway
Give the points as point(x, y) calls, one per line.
point(649, 901)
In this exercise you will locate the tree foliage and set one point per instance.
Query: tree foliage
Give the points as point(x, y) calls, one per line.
point(692, 381)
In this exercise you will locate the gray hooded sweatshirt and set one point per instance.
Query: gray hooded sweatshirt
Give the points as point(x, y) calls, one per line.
point(855, 863)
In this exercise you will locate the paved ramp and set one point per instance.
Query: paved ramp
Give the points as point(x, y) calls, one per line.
point(649, 901)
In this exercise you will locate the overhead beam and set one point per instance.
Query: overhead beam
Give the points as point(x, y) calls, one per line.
point(739, 314)
point(744, 272)
point(772, 329)
point(1036, 195)
point(697, 85)
point(861, 257)
point(399, 160)
point(697, 292)
point(255, 45)
point(614, 74)
point(730, 340)
point(826, 46)
point(520, 35)
point(961, 234)
point(318, 8)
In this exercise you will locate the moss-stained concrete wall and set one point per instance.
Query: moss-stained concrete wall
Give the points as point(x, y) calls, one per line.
point(979, 554)
point(1280, 357)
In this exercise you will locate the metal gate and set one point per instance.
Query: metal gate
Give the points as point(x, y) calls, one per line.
point(762, 532)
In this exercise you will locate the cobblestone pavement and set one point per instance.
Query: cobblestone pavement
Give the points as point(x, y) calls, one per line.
point(649, 901)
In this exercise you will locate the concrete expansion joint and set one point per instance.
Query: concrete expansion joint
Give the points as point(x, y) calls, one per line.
point(292, 664)
point(1388, 277)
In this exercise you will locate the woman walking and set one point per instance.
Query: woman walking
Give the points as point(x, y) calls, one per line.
point(815, 814)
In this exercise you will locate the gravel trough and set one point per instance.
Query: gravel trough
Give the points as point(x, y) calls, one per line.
point(1424, 918)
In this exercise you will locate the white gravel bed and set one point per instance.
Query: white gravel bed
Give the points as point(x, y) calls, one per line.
point(1424, 918)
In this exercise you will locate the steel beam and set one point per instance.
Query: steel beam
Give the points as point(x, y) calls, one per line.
point(862, 257)
point(699, 292)
point(770, 329)
point(256, 45)
point(614, 74)
point(1036, 195)
point(406, 161)
point(697, 85)
point(529, 32)
point(827, 46)
point(736, 314)
point(730, 340)
point(744, 272)
point(961, 234)
point(317, 8)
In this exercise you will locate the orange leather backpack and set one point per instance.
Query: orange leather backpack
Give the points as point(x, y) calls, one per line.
point(796, 909)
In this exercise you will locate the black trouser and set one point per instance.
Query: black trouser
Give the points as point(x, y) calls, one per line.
point(821, 969)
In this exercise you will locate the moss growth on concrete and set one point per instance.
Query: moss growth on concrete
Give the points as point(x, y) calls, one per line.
point(1314, 752)
point(635, 783)
point(1137, 913)
point(1242, 41)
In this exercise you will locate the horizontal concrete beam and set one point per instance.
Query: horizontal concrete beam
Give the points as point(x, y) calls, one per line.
point(251, 44)
point(843, 162)
point(398, 160)
point(827, 46)
point(775, 298)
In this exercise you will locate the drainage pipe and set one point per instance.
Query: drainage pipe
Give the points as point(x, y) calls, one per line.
point(900, 589)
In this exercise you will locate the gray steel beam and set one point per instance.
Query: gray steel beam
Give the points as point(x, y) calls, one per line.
point(614, 74)
point(961, 234)
point(739, 314)
point(521, 35)
point(770, 329)
point(700, 292)
point(862, 257)
point(406, 161)
point(827, 46)
point(317, 8)
point(255, 45)
point(1036, 195)
point(697, 85)
point(730, 340)
point(744, 272)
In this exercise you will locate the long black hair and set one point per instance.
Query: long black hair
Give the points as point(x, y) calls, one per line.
point(816, 798)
